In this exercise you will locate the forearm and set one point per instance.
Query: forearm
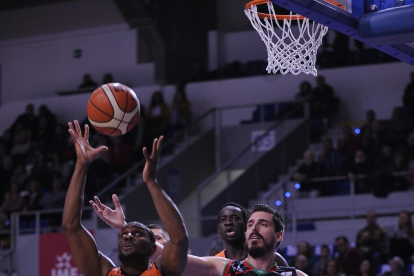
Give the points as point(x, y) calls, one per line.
point(72, 210)
point(168, 213)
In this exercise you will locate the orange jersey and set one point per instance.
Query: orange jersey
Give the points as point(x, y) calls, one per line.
point(222, 254)
point(152, 271)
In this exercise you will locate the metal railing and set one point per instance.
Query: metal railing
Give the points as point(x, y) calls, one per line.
point(225, 168)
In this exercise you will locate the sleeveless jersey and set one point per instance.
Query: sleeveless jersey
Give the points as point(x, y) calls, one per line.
point(152, 271)
point(243, 267)
point(222, 254)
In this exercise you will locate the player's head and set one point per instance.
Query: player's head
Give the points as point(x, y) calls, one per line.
point(265, 229)
point(161, 236)
point(136, 242)
point(231, 223)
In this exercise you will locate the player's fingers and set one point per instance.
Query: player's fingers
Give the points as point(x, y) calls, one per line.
point(71, 126)
point(96, 209)
point(78, 129)
point(115, 199)
point(154, 147)
point(102, 148)
point(159, 144)
point(86, 132)
point(98, 202)
point(146, 155)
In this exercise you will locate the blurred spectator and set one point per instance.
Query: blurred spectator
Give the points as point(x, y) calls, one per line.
point(41, 172)
point(372, 240)
point(19, 176)
point(332, 269)
point(181, 113)
point(372, 138)
point(158, 117)
point(348, 144)
point(319, 267)
point(370, 118)
point(88, 82)
point(21, 146)
point(360, 165)
point(12, 200)
point(305, 91)
point(408, 149)
point(44, 112)
point(365, 269)
point(4, 226)
point(54, 198)
point(302, 263)
point(6, 166)
point(383, 182)
point(7, 140)
point(107, 78)
point(306, 171)
point(330, 159)
point(27, 120)
point(32, 196)
point(398, 164)
point(397, 127)
point(397, 268)
point(385, 157)
point(122, 154)
point(304, 257)
point(402, 238)
point(348, 259)
point(408, 97)
point(323, 102)
point(57, 166)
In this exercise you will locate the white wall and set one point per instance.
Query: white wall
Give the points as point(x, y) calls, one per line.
point(39, 69)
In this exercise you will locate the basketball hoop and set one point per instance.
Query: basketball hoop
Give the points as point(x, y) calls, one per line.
point(288, 50)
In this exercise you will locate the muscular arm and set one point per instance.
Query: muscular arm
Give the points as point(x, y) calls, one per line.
point(205, 266)
point(174, 255)
point(84, 250)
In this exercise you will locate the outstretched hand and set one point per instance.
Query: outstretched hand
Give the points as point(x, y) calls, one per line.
point(114, 218)
point(84, 152)
point(150, 169)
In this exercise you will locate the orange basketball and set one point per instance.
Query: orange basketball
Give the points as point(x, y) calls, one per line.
point(113, 109)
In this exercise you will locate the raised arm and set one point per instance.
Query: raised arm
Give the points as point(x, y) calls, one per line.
point(174, 255)
point(84, 250)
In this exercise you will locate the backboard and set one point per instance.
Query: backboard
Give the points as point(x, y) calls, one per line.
point(385, 25)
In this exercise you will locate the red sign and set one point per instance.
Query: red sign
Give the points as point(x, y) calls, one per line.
point(55, 257)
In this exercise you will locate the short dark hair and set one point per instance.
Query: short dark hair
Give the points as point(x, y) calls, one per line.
point(155, 226)
point(278, 221)
point(234, 204)
point(326, 247)
point(142, 226)
point(345, 239)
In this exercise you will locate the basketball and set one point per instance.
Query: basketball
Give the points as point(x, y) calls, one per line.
point(113, 109)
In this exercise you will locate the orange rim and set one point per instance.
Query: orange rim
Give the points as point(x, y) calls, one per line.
point(266, 15)
point(282, 17)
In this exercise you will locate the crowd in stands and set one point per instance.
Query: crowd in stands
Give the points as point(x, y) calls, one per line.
point(375, 251)
point(375, 150)
point(37, 156)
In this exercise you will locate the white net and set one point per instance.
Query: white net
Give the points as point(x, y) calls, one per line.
point(290, 48)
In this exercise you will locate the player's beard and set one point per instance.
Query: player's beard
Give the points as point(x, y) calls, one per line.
point(256, 251)
point(131, 257)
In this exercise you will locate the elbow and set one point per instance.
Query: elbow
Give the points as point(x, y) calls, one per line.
point(70, 226)
point(181, 241)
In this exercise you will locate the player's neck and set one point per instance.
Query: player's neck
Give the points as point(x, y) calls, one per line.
point(236, 252)
point(136, 268)
point(262, 263)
